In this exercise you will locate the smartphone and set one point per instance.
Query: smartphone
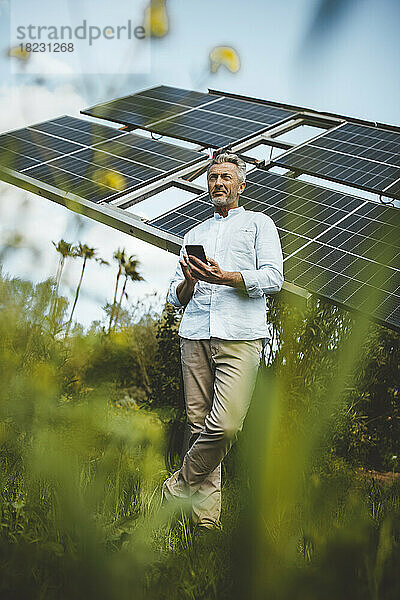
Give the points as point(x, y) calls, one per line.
point(196, 250)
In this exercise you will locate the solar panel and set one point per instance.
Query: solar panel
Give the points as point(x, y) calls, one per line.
point(149, 106)
point(207, 119)
point(93, 161)
point(77, 130)
point(358, 155)
point(335, 245)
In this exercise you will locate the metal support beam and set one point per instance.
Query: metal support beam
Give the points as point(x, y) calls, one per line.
point(269, 135)
point(277, 143)
point(295, 295)
point(157, 186)
point(315, 120)
point(189, 186)
point(108, 215)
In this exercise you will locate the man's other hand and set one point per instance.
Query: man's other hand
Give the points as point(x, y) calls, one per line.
point(211, 273)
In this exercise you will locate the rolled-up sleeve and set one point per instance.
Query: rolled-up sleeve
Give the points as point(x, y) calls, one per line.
point(268, 277)
point(172, 296)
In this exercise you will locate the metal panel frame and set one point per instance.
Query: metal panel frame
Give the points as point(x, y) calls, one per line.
point(312, 114)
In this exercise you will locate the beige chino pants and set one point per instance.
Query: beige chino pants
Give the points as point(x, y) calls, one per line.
point(219, 378)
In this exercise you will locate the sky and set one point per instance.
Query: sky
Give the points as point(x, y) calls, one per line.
point(299, 52)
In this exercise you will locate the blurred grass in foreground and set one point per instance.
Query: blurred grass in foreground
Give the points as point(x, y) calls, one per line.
point(82, 469)
point(74, 468)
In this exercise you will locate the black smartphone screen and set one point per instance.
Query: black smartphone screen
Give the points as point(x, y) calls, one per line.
point(196, 250)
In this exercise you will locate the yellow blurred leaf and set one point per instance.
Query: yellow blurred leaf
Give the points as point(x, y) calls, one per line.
point(17, 52)
point(156, 19)
point(226, 56)
point(109, 178)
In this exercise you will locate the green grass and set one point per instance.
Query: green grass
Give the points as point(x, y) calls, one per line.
point(80, 518)
point(81, 476)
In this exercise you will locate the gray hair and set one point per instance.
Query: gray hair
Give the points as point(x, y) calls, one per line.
point(229, 157)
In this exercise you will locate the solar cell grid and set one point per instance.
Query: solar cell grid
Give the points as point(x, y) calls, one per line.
point(368, 142)
point(207, 128)
point(331, 200)
point(335, 245)
point(364, 246)
point(157, 161)
point(101, 163)
point(83, 125)
point(150, 106)
point(210, 121)
point(290, 242)
point(77, 130)
point(38, 141)
point(158, 155)
point(375, 134)
point(340, 167)
point(294, 205)
point(372, 229)
point(24, 148)
point(380, 213)
point(20, 154)
point(350, 146)
point(393, 190)
point(361, 156)
point(49, 174)
point(252, 111)
point(81, 137)
point(137, 111)
point(88, 162)
point(173, 128)
point(354, 288)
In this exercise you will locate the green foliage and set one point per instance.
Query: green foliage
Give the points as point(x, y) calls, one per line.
point(73, 467)
point(166, 370)
point(82, 437)
point(128, 267)
point(167, 397)
point(122, 357)
point(364, 427)
point(373, 436)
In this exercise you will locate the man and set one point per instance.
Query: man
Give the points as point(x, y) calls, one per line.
point(222, 332)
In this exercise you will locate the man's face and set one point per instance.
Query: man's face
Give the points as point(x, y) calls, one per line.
point(223, 184)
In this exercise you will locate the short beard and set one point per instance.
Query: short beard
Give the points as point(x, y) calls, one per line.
point(218, 201)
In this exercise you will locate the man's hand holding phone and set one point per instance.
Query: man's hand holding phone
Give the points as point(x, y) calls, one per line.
point(186, 288)
point(196, 266)
point(192, 250)
point(185, 264)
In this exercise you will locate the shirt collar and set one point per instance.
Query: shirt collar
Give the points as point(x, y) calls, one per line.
point(231, 213)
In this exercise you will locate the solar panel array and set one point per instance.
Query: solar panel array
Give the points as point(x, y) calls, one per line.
point(211, 120)
point(358, 155)
point(93, 161)
point(338, 246)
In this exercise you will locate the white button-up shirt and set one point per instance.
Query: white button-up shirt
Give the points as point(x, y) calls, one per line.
point(244, 241)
